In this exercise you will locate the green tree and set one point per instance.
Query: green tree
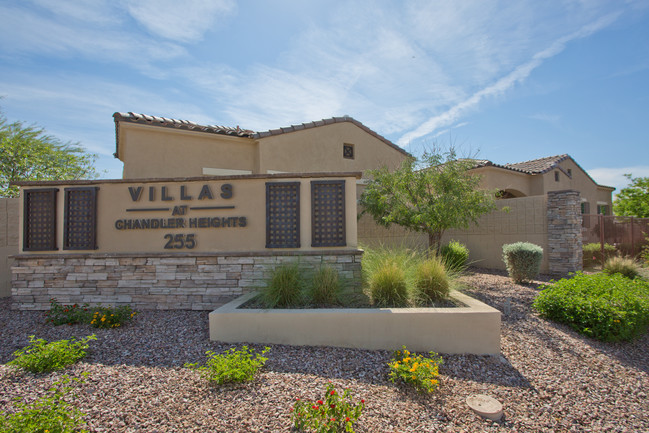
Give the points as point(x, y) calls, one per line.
point(429, 195)
point(634, 199)
point(28, 153)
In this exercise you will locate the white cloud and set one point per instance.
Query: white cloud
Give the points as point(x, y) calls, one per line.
point(615, 176)
point(25, 31)
point(519, 74)
point(183, 21)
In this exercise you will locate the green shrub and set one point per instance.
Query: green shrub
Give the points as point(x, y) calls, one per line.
point(110, 317)
point(66, 314)
point(431, 281)
point(606, 307)
point(285, 288)
point(593, 254)
point(233, 366)
point(388, 286)
point(621, 265)
point(455, 255)
point(51, 414)
point(98, 317)
point(325, 286)
point(42, 357)
point(416, 370)
point(333, 413)
point(523, 260)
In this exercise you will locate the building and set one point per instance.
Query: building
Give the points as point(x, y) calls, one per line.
point(540, 176)
point(152, 147)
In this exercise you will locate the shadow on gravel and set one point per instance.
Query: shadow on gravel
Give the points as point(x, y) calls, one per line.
point(490, 369)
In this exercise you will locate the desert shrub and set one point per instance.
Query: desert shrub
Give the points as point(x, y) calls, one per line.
point(51, 414)
point(233, 366)
point(335, 412)
point(417, 370)
point(523, 260)
point(593, 254)
point(285, 288)
point(455, 255)
point(98, 316)
point(621, 265)
point(325, 286)
point(602, 306)
point(42, 357)
point(388, 286)
point(431, 281)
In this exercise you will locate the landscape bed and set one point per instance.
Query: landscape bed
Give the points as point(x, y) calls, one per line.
point(472, 328)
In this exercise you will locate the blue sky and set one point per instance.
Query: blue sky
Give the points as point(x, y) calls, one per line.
point(512, 81)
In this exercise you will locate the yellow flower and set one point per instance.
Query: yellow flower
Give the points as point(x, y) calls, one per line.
point(103, 319)
point(406, 360)
point(414, 377)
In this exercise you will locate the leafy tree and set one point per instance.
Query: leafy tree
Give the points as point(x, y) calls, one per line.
point(634, 199)
point(28, 153)
point(430, 195)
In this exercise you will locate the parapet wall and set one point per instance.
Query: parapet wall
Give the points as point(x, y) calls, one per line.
point(161, 281)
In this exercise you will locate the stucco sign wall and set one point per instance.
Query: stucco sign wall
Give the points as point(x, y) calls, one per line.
point(207, 214)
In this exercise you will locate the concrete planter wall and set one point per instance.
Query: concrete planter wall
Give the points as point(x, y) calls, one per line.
point(473, 329)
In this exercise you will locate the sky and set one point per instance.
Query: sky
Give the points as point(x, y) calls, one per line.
point(506, 81)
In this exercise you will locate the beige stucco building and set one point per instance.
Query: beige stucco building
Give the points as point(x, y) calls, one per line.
point(153, 147)
point(537, 177)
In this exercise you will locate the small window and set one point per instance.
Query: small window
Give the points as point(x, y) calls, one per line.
point(570, 173)
point(39, 219)
point(602, 209)
point(556, 176)
point(348, 151)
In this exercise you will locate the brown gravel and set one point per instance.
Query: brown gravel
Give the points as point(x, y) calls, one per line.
point(548, 378)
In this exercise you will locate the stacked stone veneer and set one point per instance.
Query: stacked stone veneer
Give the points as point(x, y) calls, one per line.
point(164, 281)
point(565, 252)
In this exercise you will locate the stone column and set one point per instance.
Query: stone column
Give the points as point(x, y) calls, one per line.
point(565, 253)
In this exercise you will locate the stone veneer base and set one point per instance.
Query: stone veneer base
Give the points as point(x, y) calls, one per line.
point(160, 281)
point(474, 328)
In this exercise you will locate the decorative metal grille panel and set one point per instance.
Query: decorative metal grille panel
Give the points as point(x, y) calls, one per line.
point(39, 220)
point(328, 213)
point(283, 215)
point(80, 223)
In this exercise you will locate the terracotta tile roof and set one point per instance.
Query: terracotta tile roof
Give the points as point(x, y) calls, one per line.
point(538, 166)
point(181, 124)
point(534, 166)
point(238, 132)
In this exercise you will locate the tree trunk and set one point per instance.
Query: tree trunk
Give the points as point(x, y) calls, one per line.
point(434, 242)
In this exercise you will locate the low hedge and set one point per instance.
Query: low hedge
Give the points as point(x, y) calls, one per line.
point(523, 260)
point(605, 307)
point(593, 254)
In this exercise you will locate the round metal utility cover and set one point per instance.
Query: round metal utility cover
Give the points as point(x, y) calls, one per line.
point(485, 406)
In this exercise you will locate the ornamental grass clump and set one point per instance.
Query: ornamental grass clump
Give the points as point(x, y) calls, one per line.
point(50, 414)
point(523, 260)
point(601, 306)
point(332, 414)
point(325, 288)
point(388, 286)
point(285, 288)
point(417, 370)
point(454, 255)
point(431, 281)
point(233, 366)
point(622, 265)
point(42, 357)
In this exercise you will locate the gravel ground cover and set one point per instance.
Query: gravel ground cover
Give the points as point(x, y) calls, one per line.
point(547, 377)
